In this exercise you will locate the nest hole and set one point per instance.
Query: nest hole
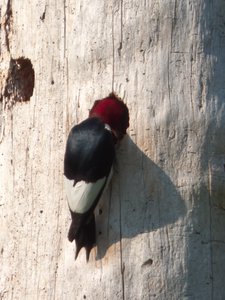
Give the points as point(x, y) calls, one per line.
point(20, 81)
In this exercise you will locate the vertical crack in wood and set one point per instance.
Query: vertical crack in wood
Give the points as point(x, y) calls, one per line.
point(66, 66)
point(210, 227)
point(2, 117)
point(109, 209)
point(171, 47)
point(59, 239)
point(0, 44)
point(12, 152)
point(191, 82)
point(174, 20)
point(168, 78)
point(119, 49)
point(122, 265)
point(8, 23)
point(162, 243)
point(64, 20)
point(113, 51)
point(37, 276)
point(121, 28)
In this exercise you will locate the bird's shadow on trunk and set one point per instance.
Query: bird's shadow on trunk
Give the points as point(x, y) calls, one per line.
point(141, 198)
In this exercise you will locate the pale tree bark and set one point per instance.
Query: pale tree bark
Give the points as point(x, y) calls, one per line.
point(161, 223)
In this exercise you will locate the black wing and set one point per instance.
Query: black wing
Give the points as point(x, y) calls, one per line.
point(89, 151)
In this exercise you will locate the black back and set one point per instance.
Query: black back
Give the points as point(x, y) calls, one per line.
point(89, 151)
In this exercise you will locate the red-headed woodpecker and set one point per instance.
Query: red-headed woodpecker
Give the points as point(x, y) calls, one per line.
point(89, 156)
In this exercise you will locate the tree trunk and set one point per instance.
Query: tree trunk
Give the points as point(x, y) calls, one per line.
point(160, 225)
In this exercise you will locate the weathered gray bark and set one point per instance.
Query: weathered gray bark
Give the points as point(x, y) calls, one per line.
point(161, 232)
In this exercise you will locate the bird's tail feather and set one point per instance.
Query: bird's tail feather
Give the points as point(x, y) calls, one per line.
point(84, 237)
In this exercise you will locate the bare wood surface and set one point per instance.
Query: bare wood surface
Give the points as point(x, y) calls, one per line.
point(161, 222)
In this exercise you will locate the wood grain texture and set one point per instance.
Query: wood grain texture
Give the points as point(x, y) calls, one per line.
point(161, 221)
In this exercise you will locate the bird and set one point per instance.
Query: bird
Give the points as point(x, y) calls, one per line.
point(88, 165)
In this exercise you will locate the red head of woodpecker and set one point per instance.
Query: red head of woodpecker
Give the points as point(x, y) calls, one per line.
point(89, 156)
point(112, 111)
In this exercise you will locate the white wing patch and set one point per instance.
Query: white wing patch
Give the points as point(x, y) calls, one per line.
point(81, 196)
